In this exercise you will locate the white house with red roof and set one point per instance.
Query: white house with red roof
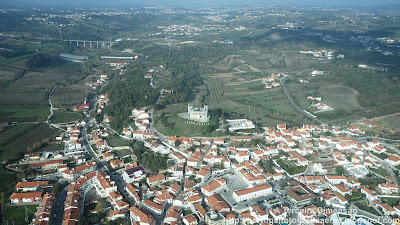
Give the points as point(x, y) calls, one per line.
point(393, 160)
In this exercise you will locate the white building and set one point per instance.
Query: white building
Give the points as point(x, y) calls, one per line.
point(250, 193)
point(198, 114)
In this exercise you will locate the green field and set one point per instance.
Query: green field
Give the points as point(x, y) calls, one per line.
point(24, 111)
point(391, 201)
point(12, 132)
point(274, 99)
point(65, 117)
point(114, 141)
point(52, 147)
point(380, 171)
point(182, 127)
point(17, 214)
point(215, 90)
point(17, 147)
point(245, 87)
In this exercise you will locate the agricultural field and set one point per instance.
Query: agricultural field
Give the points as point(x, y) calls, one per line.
point(8, 73)
point(24, 113)
point(11, 133)
point(215, 91)
point(273, 99)
point(244, 87)
point(65, 117)
point(18, 146)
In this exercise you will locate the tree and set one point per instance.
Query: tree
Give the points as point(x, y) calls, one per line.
point(340, 170)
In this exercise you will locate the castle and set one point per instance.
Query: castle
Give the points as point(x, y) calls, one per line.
point(198, 114)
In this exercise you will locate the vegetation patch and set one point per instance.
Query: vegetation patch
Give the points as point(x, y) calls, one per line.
point(65, 117)
point(17, 214)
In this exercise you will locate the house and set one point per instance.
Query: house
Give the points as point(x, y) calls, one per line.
point(31, 186)
point(43, 211)
point(217, 203)
point(393, 160)
point(299, 159)
point(279, 213)
point(219, 141)
point(133, 174)
point(114, 215)
point(173, 215)
point(259, 213)
point(117, 163)
point(26, 197)
point(131, 190)
point(370, 194)
point(386, 209)
point(163, 197)
point(213, 187)
point(242, 156)
point(141, 216)
point(203, 174)
point(156, 179)
point(74, 173)
point(190, 220)
point(153, 207)
point(308, 214)
point(388, 188)
point(341, 189)
point(214, 218)
point(299, 194)
point(336, 179)
point(194, 199)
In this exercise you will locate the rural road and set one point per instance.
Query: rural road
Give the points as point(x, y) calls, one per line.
point(282, 80)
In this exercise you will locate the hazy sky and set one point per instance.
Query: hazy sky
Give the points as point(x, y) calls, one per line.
point(192, 3)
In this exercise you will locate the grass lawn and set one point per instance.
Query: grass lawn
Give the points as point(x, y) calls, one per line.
point(381, 171)
point(114, 141)
point(182, 127)
point(17, 214)
point(363, 206)
point(123, 152)
point(52, 147)
point(64, 117)
point(391, 201)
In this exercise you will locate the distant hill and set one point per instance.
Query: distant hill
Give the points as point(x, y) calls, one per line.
point(385, 4)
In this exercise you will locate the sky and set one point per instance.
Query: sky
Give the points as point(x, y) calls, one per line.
point(191, 3)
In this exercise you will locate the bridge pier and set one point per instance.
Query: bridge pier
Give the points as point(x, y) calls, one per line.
point(77, 43)
point(84, 44)
point(97, 44)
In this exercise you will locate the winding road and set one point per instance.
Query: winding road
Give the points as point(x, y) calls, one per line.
point(282, 80)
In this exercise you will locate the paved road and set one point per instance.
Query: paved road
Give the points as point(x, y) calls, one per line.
point(282, 80)
point(59, 206)
point(378, 138)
